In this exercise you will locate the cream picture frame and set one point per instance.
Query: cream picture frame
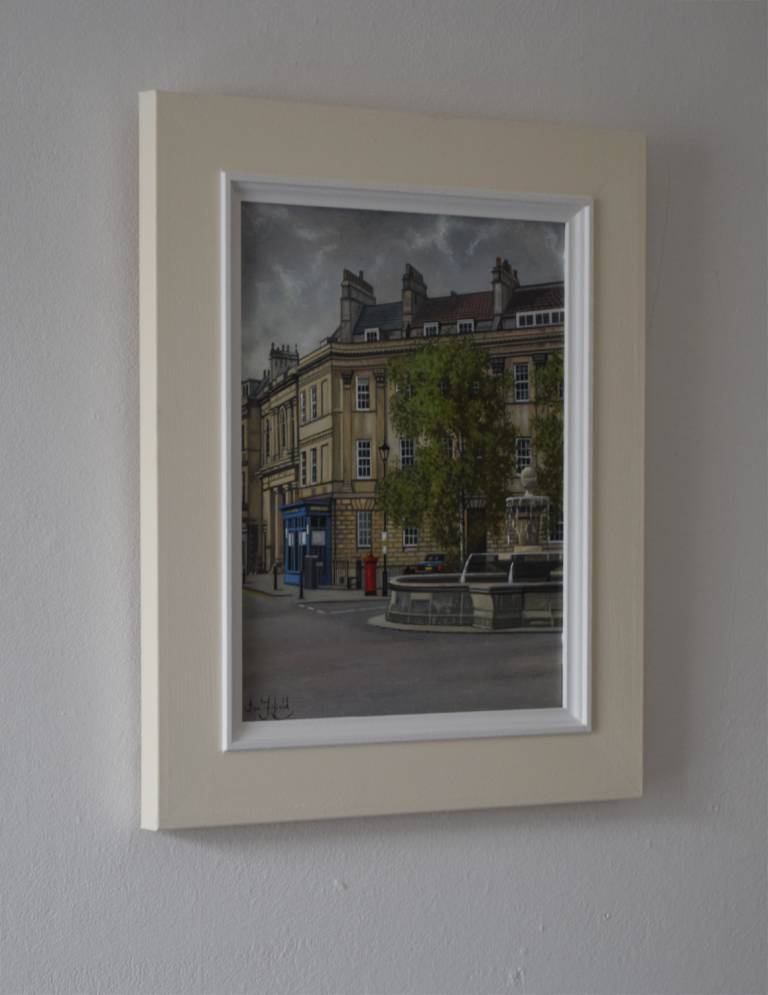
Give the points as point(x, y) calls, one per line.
point(198, 155)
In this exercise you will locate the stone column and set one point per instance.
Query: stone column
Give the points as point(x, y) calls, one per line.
point(346, 441)
point(381, 418)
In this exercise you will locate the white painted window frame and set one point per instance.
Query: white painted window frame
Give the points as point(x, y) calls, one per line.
point(415, 539)
point(549, 316)
point(358, 475)
point(575, 715)
point(431, 329)
point(465, 321)
point(528, 456)
point(361, 532)
point(363, 381)
point(520, 382)
point(372, 335)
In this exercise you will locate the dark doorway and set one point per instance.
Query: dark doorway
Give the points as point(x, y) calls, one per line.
point(477, 541)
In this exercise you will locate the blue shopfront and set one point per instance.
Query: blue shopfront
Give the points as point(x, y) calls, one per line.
point(307, 532)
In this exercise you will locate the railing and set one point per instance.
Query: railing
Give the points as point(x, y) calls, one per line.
point(348, 573)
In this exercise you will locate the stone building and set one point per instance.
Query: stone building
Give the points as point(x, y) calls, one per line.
point(250, 490)
point(325, 424)
point(275, 475)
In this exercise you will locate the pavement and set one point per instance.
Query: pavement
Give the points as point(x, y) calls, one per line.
point(321, 658)
point(264, 584)
point(381, 622)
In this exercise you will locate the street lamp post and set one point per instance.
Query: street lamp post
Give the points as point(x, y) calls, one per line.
point(384, 453)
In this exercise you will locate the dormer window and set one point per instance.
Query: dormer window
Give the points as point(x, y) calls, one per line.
point(465, 326)
point(527, 319)
point(372, 335)
point(431, 329)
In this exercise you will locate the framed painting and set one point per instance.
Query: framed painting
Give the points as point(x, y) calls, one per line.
point(392, 464)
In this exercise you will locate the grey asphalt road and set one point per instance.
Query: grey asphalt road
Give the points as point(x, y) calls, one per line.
point(326, 660)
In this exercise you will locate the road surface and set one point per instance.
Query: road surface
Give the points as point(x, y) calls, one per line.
point(322, 660)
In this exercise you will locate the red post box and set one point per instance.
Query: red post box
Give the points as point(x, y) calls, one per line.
point(370, 574)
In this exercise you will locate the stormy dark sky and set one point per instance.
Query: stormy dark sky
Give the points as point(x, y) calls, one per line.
point(293, 258)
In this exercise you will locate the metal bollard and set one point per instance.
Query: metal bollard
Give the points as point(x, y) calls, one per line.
point(301, 585)
point(274, 578)
point(349, 578)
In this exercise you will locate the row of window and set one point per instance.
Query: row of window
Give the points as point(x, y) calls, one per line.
point(313, 464)
point(430, 328)
point(313, 402)
point(522, 393)
point(285, 431)
point(365, 532)
point(521, 376)
point(411, 533)
point(529, 319)
point(465, 326)
point(364, 466)
point(363, 397)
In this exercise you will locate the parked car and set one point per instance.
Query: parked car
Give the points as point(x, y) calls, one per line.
point(432, 564)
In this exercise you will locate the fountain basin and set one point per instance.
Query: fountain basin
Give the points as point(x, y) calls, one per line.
point(483, 600)
point(526, 605)
point(441, 600)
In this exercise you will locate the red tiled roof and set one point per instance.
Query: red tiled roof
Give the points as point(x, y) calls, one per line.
point(535, 296)
point(479, 305)
point(456, 306)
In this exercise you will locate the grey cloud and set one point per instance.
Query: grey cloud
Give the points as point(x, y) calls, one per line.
point(293, 258)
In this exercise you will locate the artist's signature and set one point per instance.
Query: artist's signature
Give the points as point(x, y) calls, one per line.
point(271, 707)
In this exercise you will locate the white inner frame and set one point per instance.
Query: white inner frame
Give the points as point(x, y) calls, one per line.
point(575, 715)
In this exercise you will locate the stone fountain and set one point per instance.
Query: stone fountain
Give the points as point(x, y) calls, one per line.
point(520, 589)
point(527, 514)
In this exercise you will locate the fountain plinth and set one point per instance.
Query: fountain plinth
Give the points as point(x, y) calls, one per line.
point(527, 515)
point(512, 591)
point(521, 590)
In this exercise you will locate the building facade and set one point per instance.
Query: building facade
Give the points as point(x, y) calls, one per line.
point(323, 427)
point(250, 460)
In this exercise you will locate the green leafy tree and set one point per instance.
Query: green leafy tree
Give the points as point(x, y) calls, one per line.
point(547, 429)
point(455, 409)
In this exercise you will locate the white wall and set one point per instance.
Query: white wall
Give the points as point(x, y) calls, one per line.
point(666, 894)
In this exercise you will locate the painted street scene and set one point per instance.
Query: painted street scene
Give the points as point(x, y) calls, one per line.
point(401, 462)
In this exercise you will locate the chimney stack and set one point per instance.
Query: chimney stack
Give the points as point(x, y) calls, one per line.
point(504, 283)
point(281, 359)
point(414, 293)
point(356, 292)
